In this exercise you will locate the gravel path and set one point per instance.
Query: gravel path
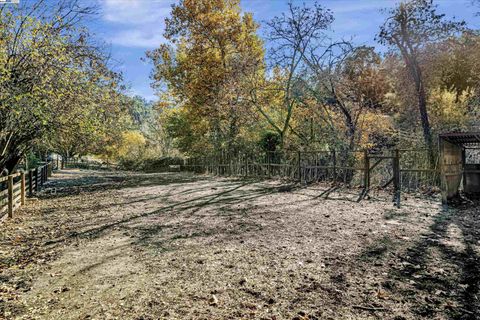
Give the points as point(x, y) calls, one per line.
point(103, 245)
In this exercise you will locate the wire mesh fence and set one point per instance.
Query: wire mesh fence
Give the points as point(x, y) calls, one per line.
point(357, 168)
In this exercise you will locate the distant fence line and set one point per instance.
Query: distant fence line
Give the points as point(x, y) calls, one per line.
point(15, 187)
point(85, 164)
point(403, 169)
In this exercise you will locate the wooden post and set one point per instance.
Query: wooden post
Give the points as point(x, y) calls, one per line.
point(334, 165)
point(30, 183)
point(366, 171)
point(268, 164)
point(22, 188)
point(36, 179)
point(10, 196)
point(299, 166)
point(396, 177)
point(246, 166)
point(464, 178)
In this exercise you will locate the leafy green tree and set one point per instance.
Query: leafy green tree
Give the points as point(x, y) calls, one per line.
point(54, 80)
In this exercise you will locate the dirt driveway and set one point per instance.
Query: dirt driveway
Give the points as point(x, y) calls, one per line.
point(103, 245)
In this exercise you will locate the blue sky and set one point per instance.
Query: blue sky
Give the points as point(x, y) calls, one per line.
point(131, 27)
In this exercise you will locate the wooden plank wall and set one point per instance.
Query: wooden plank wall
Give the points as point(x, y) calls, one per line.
point(451, 169)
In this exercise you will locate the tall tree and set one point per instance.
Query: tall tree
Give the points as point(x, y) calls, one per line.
point(409, 28)
point(293, 35)
point(203, 70)
point(48, 62)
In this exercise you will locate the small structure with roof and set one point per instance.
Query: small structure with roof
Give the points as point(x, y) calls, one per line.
point(459, 159)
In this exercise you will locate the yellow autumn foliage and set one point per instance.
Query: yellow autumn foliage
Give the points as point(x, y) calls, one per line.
point(448, 112)
point(130, 146)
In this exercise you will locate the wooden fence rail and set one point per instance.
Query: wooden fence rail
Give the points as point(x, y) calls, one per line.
point(86, 164)
point(401, 169)
point(14, 188)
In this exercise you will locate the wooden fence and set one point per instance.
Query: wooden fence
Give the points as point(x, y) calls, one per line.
point(16, 187)
point(85, 164)
point(407, 170)
point(399, 170)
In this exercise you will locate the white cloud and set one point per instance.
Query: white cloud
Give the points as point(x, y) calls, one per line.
point(138, 38)
point(135, 12)
point(136, 23)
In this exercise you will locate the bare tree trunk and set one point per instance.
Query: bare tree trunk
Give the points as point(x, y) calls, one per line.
point(427, 133)
point(422, 107)
point(11, 163)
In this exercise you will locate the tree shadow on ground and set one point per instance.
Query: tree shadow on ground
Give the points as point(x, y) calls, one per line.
point(192, 206)
point(232, 191)
point(439, 276)
point(104, 181)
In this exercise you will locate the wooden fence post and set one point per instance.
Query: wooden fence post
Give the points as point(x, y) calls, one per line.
point(367, 170)
point(334, 165)
point(10, 196)
point(36, 178)
point(268, 164)
point(300, 166)
point(22, 188)
point(396, 177)
point(30, 183)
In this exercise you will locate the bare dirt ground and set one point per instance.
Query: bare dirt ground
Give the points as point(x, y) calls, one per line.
point(104, 245)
